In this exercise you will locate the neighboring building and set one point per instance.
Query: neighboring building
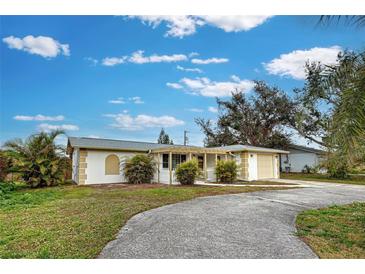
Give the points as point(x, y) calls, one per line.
point(299, 157)
point(98, 161)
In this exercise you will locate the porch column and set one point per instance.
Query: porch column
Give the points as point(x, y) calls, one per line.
point(205, 167)
point(216, 159)
point(190, 156)
point(226, 157)
point(158, 167)
point(170, 167)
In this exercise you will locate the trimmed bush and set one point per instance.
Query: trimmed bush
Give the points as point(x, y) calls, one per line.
point(139, 169)
point(187, 172)
point(226, 171)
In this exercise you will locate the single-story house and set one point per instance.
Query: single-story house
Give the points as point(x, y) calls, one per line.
point(299, 157)
point(98, 161)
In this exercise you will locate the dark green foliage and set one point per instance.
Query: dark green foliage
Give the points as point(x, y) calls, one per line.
point(164, 138)
point(4, 166)
point(256, 120)
point(139, 169)
point(337, 168)
point(6, 187)
point(187, 172)
point(38, 160)
point(226, 171)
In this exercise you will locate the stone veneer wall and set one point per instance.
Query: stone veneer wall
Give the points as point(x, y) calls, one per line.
point(82, 167)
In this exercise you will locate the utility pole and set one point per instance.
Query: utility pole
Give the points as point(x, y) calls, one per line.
point(186, 139)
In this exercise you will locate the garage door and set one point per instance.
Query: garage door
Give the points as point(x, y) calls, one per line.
point(265, 166)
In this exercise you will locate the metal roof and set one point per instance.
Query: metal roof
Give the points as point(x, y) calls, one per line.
point(234, 148)
point(307, 149)
point(97, 143)
point(110, 144)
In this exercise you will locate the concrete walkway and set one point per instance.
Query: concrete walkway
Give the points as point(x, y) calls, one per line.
point(247, 225)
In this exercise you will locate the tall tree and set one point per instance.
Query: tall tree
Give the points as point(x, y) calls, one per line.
point(332, 106)
point(257, 120)
point(164, 138)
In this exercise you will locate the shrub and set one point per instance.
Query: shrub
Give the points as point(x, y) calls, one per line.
point(310, 169)
point(187, 172)
point(337, 168)
point(6, 187)
point(139, 169)
point(226, 171)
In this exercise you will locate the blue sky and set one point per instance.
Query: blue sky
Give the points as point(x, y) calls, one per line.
point(125, 78)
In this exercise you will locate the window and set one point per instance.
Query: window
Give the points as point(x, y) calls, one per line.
point(165, 161)
point(112, 165)
point(176, 160)
point(218, 157)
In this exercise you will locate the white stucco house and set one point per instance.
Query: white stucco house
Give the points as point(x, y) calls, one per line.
point(299, 157)
point(100, 161)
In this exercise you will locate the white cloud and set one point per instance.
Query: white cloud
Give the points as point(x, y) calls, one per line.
point(138, 58)
point(41, 45)
point(235, 23)
point(189, 69)
point(91, 60)
point(93, 136)
point(39, 117)
point(174, 85)
point(205, 87)
point(193, 54)
point(180, 26)
point(47, 127)
point(136, 100)
point(213, 60)
point(113, 61)
point(213, 109)
point(293, 64)
point(195, 109)
point(119, 100)
point(140, 122)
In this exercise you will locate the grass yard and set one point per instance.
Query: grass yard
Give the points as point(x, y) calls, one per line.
point(354, 179)
point(334, 232)
point(77, 222)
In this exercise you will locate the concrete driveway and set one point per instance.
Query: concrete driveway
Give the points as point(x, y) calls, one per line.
point(248, 225)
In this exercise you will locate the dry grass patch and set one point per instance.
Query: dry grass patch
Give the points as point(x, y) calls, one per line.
point(77, 222)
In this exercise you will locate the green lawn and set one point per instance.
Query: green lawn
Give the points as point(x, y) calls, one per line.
point(354, 179)
point(77, 222)
point(334, 232)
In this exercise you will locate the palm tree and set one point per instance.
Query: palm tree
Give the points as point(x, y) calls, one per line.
point(38, 160)
point(355, 20)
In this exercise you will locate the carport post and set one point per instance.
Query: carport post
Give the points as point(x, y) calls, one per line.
point(158, 167)
point(170, 166)
point(205, 167)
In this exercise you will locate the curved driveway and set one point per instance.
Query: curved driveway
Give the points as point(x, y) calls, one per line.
point(247, 225)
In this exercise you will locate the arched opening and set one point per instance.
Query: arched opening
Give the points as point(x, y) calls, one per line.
point(112, 165)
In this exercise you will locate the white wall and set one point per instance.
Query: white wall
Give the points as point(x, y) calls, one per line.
point(297, 160)
point(95, 170)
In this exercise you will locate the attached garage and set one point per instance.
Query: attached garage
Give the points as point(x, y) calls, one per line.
point(265, 166)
